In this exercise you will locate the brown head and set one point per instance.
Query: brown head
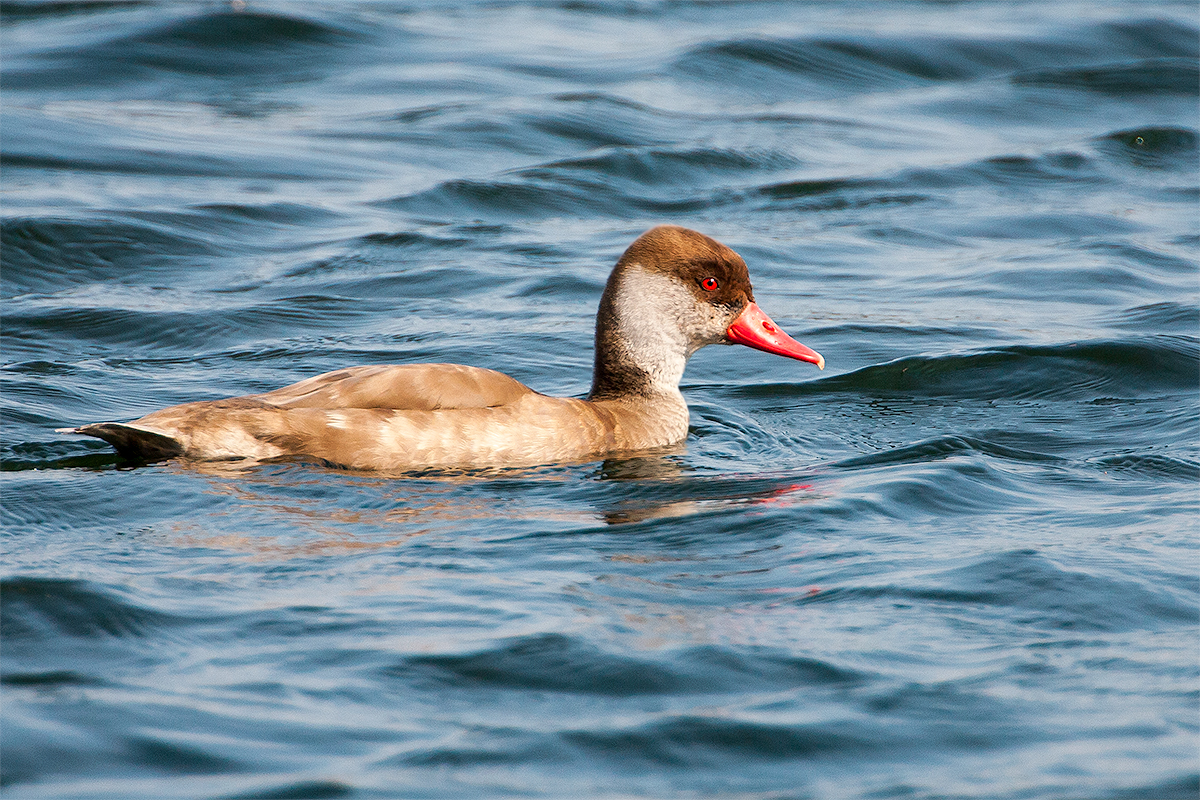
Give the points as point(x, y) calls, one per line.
point(673, 291)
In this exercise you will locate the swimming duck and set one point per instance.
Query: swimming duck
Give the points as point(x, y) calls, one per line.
point(672, 292)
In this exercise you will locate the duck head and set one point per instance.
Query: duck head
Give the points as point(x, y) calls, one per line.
point(673, 291)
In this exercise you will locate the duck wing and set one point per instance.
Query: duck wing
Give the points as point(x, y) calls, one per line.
point(345, 405)
point(406, 387)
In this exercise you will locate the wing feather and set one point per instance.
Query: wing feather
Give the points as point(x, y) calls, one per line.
point(406, 387)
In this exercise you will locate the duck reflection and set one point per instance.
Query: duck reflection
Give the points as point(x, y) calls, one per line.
point(356, 510)
point(662, 487)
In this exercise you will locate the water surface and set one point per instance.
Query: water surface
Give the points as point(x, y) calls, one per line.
point(959, 563)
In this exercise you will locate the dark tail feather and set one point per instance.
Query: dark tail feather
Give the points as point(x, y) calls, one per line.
point(135, 444)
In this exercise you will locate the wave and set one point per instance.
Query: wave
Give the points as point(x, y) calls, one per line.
point(1156, 55)
point(1164, 317)
point(697, 741)
point(1130, 368)
point(542, 197)
point(1166, 149)
point(165, 320)
point(655, 166)
point(1178, 76)
point(49, 609)
point(1153, 147)
point(1151, 465)
point(941, 447)
point(990, 444)
point(214, 44)
point(559, 663)
point(18, 11)
point(100, 137)
point(43, 254)
point(665, 180)
point(1051, 597)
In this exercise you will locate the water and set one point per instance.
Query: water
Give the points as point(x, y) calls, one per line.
point(960, 563)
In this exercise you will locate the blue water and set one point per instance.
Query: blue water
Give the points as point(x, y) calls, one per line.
point(959, 563)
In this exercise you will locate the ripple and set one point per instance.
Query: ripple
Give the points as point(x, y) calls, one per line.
point(943, 447)
point(215, 45)
point(656, 166)
point(42, 254)
point(831, 65)
point(43, 610)
point(162, 323)
point(48, 680)
point(1082, 370)
point(558, 663)
point(1152, 465)
point(1051, 597)
point(298, 790)
point(1167, 316)
point(1154, 148)
point(871, 63)
point(696, 741)
point(32, 10)
point(539, 195)
point(1177, 76)
point(94, 138)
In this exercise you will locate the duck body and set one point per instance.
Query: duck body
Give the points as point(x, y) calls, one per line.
point(671, 293)
point(378, 418)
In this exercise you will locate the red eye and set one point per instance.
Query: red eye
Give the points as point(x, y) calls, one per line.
point(709, 284)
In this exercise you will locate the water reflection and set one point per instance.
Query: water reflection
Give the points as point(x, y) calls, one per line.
point(356, 510)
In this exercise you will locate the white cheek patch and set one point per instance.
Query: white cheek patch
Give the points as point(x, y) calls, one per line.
point(662, 323)
point(649, 307)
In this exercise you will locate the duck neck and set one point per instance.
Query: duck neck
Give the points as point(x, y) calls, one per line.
point(641, 348)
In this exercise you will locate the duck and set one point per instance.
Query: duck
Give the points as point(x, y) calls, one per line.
point(673, 291)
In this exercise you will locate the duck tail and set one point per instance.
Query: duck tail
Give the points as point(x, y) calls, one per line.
point(133, 443)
